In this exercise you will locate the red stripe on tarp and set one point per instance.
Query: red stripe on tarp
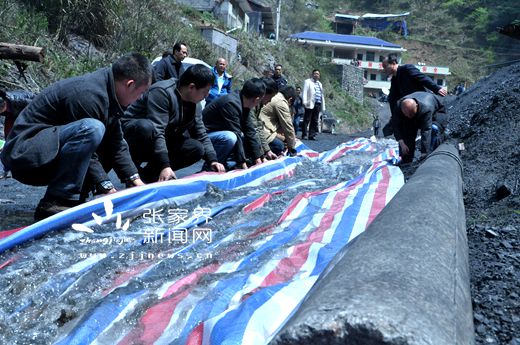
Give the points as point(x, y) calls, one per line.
point(196, 336)
point(289, 266)
point(261, 201)
point(342, 151)
point(7, 262)
point(7, 233)
point(156, 318)
point(126, 276)
point(379, 201)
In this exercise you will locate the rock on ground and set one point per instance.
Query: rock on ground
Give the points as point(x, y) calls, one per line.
point(486, 118)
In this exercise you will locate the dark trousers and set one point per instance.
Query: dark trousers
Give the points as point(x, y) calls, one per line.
point(409, 133)
point(310, 120)
point(183, 151)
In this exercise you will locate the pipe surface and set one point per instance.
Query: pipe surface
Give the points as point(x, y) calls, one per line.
point(405, 280)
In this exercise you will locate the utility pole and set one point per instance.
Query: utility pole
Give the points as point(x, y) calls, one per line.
point(278, 5)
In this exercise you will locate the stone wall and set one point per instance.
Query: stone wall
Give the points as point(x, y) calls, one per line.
point(352, 81)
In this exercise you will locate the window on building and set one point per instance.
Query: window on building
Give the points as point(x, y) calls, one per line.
point(381, 58)
point(370, 56)
point(373, 76)
point(440, 82)
point(342, 54)
point(318, 51)
point(360, 57)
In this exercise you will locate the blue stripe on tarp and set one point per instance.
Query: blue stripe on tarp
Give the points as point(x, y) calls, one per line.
point(99, 319)
point(138, 197)
point(225, 289)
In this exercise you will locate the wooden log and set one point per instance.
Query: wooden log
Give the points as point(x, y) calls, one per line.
point(21, 52)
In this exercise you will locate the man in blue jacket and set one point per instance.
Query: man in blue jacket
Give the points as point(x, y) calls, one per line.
point(223, 81)
point(70, 134)
point(164, 127)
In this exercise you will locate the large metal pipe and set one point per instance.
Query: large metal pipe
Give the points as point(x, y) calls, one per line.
point(405, 280)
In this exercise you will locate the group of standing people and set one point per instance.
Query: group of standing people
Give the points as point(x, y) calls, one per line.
point(147, 122)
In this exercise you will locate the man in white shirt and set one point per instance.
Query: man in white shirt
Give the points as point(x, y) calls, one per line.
point(314, 102)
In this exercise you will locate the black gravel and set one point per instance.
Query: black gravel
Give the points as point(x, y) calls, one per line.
point(486, 119)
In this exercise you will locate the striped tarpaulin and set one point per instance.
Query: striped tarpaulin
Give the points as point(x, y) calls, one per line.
point(259, 272)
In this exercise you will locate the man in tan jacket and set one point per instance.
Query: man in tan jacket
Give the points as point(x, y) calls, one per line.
point(277, 129)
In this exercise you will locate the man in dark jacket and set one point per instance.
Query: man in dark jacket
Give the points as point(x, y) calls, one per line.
point(171, 66)
point(71, 132)
point(406, 79)
point(227, 118)
point(164, 128)
point(278, 77)
point(422, 111)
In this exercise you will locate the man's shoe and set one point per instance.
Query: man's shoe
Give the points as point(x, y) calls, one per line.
point(312, 138)
point(50, 207)
point(5, 174)
point(304, 137)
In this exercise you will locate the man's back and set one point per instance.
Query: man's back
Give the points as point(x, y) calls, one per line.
point(224, 113)
point(407, 80)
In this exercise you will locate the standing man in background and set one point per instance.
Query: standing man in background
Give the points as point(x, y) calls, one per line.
point(278, 77)
point(297, 109)
point(171, 66)
point(314, 102)
point(223, 81)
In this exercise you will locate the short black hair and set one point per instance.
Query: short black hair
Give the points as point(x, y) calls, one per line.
point(288, 92)
point(197, 74)
point(392, 58)
point(315, 70)
point(278, 65)
point(253, 88)
point(177, 46)
point(271, 87)
point(132, 66)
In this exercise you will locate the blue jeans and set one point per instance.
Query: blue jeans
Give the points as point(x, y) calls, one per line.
point(435, 141)
point(78, 141)
point(223, 143)
point(277, 146)
point(296, 122)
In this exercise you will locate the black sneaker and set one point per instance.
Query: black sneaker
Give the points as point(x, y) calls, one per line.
point(50, 207)
point(312, 138)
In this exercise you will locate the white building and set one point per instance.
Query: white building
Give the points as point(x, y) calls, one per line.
point(365, 52)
